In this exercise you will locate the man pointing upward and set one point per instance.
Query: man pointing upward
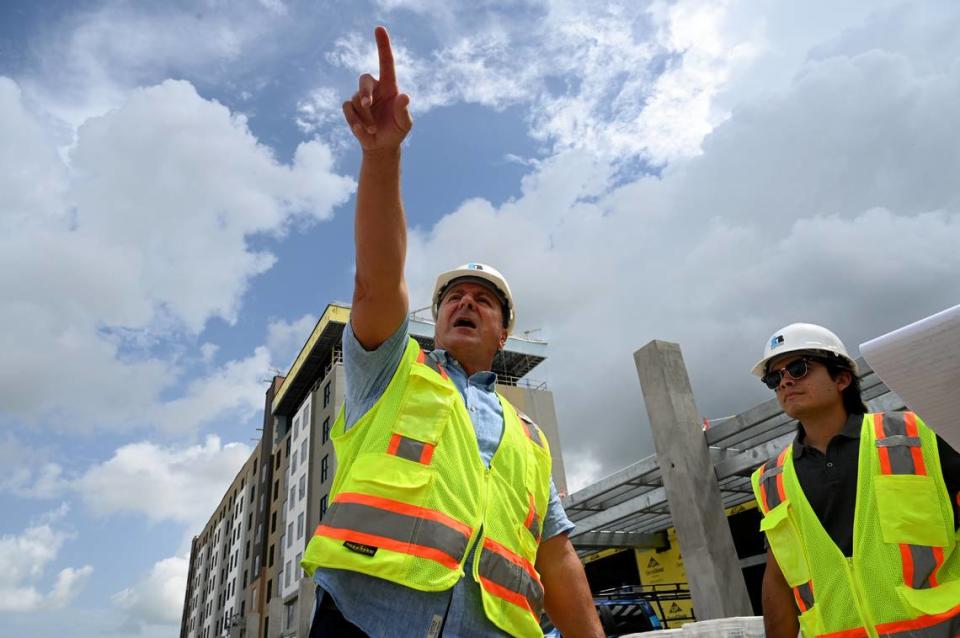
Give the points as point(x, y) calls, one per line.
point(443, 518)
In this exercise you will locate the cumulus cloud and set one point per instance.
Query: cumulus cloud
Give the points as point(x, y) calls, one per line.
point(146, 236)
point(235, 389)
point(152, 480)
point(157, 598)
point(284, 339)
point(622, 79)
point(24, 559)
point(29, 471)
point(90, 58)
point(833, 201)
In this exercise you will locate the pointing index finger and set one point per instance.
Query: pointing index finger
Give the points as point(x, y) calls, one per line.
point(387, 73)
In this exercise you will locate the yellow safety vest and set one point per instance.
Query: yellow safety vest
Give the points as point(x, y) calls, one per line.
point(411, 496)
point(904, 577)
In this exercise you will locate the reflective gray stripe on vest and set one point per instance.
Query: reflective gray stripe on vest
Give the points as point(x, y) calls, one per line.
point(433, 364)
point(895, 430)
point(399, 527)
point(899, 440)
point(924, 563)
point(535, 525)
point(768, 479)
point(947, 628)
point(771, 473)
point(509, 575)
point(805, 592)
point(531, 429)
point(409, 449)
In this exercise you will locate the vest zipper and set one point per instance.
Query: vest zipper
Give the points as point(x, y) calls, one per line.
point(859, 597)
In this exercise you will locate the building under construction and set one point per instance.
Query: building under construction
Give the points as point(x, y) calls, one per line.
point(244, 576)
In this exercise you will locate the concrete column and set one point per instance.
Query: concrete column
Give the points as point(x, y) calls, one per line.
point(713, 571)
point(252, 625)
point(306, 601)
point(275, 614)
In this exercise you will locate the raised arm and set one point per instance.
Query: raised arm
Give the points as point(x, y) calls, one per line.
point(378, 116)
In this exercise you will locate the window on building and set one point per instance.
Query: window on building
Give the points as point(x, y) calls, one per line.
point(296, 425)
point(303, 486)
point(290, 534)
point(303, 451)
point(273, 522)
point(290, 614)
point(277, 465)
point(293, 497)
point(326, 394)
point(306, 416)
point(323, 506)
point(293, 462)
point(299, 570)
point(276, 489)
point(326, 431)
point(269, 593)
point(286, 574)
point(324, 468)
point(270, 557)
point(300, 526)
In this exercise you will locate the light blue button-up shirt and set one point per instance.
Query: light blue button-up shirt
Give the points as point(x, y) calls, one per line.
point(385, 609)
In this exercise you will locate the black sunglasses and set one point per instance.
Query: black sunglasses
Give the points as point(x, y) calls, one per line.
point(796, 369)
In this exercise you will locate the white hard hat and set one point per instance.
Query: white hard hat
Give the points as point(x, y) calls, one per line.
point(482, 272)
point(807, 337)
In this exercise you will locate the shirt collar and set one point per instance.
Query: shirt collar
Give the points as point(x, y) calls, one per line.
point(851, 430)
point(484, 379)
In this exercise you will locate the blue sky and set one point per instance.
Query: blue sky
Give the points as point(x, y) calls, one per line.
point(176, 195)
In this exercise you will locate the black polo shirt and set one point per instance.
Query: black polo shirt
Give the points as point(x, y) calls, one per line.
point(829, 481)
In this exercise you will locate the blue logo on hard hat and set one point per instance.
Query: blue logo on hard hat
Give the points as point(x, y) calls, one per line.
point(474, 266)
point(776, 341)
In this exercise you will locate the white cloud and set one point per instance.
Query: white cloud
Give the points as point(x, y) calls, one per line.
point(284, 339)
point(91, 58)
point(24, 559)
point(621, 80)
point(834, 201)
point(146, 237)
point(582, 468)
point(154, 480)
point(319, 108)
point(157, 598)
point(235, 390)
point(29, 471)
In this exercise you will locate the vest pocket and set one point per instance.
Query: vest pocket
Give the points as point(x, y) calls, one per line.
point(810, 623)
point(426, 407)
point(391, 475)
point(785, 543)
point(931, 601)
point(909, 508)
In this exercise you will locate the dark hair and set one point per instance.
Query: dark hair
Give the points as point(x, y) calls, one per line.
point(852, 399)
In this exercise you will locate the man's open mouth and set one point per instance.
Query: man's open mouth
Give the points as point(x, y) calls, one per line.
point(464, 323)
